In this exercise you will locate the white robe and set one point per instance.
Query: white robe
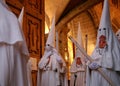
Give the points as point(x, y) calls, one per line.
point(13, 52)
point(94, 78)
point(51, 74)
point(13, 66)
point(79, 72)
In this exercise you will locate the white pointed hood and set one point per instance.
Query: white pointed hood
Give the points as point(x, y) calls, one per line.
point(24, 44)
point(111, 57)
point(79, 40)
point(51, 36)
point(20, 18)
point(105, 21)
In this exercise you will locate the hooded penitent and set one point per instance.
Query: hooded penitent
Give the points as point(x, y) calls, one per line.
point(44, 59)
point(106, 53)
point(13, 59)
point(78, 54)
point(111, 58)
point(49, 63)
point(78, 69)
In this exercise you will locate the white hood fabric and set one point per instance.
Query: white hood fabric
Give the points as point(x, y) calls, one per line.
point(51, 36)
point(23, 43)
point(20, 18)
point(8, 32)
point(79, 40)
point(111, 57)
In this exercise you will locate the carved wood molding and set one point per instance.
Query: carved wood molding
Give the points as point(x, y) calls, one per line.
point(34, 36)
point(35, 6)
point(16, 4)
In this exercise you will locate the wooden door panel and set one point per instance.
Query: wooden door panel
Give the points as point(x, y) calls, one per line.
point(33, 33)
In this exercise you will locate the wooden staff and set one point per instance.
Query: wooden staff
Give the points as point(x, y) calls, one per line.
point(86, 41)
point(91, 60)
